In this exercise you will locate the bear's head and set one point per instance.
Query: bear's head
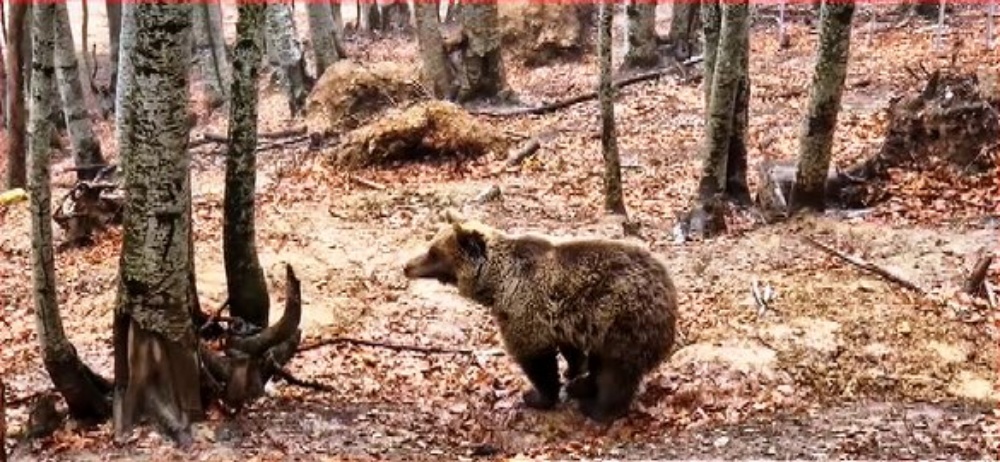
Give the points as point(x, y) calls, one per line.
point(455, 254)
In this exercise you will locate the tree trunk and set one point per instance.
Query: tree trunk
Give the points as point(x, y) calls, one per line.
point(248, 297)
point(816, 140)
point(114, 13)
point(684, 27)
point(454, 11)
point(85, 397)
point(86, 149)
point(614, 201)
point(3, 73)
point(156, 355)
point(369, 18)
point(482, 71)
point(437, 71)
point(641, 35)
point(280, 36)
point(16, 112)
point(396, 16)
point(211, 52)
point(711, 21)
point(324, 35)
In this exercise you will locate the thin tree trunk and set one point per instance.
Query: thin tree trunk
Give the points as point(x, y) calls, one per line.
point(114, 13)
point(711, 21)
point(437, 71)
point(641, 31)
point(248, 297)
point(816, 140)
point(280, 36)
point(3, 79)
point(85, 39)
point(614, 201)
point(684, 28)
point(156, 355)
point(211, 53)
point(396, 16)
point(16, 111)
point(482, 71)
point(85, 399)
point(86, 149)
point(324, 35)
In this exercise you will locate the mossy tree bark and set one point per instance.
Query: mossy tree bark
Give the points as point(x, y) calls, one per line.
point(437, 71)
point(727, 94)
point(211, 52)
point(641, 35)
point(816, 141)
point(156, 351)
point(614, 201)
point(86, 148)
point(86, 394)
point(16, 111)
point(482, 75)
point(286, 50)
point(324, 35)
point(244, 277)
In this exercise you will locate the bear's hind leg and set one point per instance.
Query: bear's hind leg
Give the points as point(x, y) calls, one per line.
point(616, 388)
point(543, 372)
point(575, 361)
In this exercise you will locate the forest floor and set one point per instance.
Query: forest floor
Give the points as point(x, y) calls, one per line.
point(842, 364)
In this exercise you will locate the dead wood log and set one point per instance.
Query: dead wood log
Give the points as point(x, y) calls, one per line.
point(526, 150)
point(283, 374)
point(562, 104)
point(974, 284)
point(89, 206)
point(367, 183)
point(866, 265)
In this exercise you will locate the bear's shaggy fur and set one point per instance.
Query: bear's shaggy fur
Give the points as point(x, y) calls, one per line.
point(607, 306)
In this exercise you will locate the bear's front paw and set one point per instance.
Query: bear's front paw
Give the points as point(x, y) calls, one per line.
point(536, 400)
point(602, 415)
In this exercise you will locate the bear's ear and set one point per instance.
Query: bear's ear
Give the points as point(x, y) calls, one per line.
point(452, 216)
point(470, 241)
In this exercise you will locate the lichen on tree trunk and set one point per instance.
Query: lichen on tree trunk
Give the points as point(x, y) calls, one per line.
point(641, 35)
point(437, 72)
point(482, 75)
point(85, 393)
point(86, 148)
point(614, 201)
point(16, 111)
point(157, 375)
point(248, 297)
point(816, 140)
point(286, 50)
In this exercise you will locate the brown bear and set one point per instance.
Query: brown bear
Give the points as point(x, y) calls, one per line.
point(607, 306)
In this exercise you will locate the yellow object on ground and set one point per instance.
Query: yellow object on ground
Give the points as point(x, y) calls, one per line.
point(13, 196)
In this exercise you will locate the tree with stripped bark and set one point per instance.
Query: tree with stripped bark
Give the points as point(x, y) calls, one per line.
point(816, 139)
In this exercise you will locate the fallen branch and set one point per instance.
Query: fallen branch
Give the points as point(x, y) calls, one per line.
point(395, 347)
point(562, 104)
point(991, 297)
point(367, 183)
point(865, 265)
point(283, 374)
point(209, 137)
point(974, 283)
point(526, 150)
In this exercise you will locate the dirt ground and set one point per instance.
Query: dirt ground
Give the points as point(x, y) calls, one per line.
point(841, 365)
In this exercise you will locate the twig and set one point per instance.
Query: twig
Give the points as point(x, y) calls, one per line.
point(291, 379)
point(372, 343)
point(991, 296)
point(367, 183)
point(522, 153)
point(865, 265)
point(974, 283)
point(562, 104)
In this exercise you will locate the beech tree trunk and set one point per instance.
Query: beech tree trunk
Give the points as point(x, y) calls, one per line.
point(211, 52)
point(114, 13)
point(482, 75)
point(324, 35)
point(248, 297)
point(282, 42)
point(86, 149)
point(16, 111)
point(641, 35)
point(396, 16)
point(437, 71)
point(156, 351)
point(614, 201)
point(816, 140)
point(85, 393)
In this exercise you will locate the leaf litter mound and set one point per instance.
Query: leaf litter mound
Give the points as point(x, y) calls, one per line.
point(350, 94)
point(435, 130)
